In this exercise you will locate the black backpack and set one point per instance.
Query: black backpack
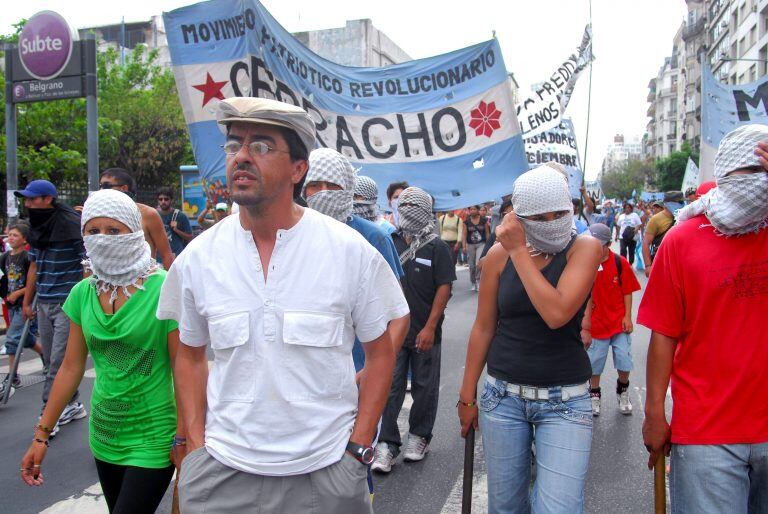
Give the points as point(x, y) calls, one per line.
point(654, 246)
point(617, 258)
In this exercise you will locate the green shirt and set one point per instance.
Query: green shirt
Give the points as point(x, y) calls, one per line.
point(133, 409)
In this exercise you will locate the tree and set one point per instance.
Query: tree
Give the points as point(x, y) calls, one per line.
point(141, 125)
point(671, 169)
point(621, 182)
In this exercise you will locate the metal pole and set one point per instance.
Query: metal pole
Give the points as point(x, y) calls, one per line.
point(11, 167)
point(92, 111)
point(19, 349)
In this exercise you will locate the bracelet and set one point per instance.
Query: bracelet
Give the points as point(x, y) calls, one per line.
point(44, 429)
point(465, 404)
point(179, 441)
point(44, 441)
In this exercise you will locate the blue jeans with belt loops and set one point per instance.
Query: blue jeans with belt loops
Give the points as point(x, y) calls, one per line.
point(562, 432)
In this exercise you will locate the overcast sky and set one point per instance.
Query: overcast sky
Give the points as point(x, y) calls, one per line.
point(631, 39)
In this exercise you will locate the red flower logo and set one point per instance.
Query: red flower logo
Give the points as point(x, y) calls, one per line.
point(485, 119)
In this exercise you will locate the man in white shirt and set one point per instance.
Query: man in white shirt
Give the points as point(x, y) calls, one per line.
point(282, 425)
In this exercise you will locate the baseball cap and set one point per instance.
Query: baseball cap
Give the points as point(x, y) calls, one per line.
point(601, 232)
point(37, 188)
point(221, 206)
point(268, 112)
point(705, 187)
point(674, 200)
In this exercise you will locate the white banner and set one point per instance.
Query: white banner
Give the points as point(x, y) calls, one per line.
point(545, 107)
point(691, 177)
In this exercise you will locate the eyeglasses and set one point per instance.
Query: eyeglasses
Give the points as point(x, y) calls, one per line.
point(254, 147)
point(109, 185)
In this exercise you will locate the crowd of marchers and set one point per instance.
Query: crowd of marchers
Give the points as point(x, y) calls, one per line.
point(322, 313)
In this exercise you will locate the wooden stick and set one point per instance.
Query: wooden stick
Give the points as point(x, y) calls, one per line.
point(469, 471)
point(660, 486)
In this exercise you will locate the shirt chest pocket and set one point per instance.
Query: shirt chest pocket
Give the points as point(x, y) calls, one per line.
point(314, 362)
point(234, 356)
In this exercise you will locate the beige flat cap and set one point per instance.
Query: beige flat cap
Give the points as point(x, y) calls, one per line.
point(247, 109)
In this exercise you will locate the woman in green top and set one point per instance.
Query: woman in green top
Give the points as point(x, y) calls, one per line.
point(112, 315)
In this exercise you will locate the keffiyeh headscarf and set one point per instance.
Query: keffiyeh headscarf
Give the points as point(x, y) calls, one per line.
point(327, 165)
point(539, 191)
point(739, 203)
point(366, 188)
point(416, 220)
point(116, 261)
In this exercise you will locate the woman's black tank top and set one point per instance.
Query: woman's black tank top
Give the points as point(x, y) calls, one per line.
point(524, 349)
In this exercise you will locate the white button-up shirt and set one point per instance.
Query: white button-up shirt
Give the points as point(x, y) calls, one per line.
point(282, 398)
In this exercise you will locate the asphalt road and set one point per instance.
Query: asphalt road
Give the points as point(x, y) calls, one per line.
point(618, 480)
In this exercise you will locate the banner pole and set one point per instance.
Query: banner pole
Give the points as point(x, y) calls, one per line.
point(589, 101)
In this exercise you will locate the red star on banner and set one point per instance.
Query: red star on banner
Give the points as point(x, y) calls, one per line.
point(211, 89)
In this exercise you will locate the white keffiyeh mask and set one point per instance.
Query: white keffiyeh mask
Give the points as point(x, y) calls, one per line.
point(739, 203)
point(116, 261)
point(539, 191)
point(328, 165)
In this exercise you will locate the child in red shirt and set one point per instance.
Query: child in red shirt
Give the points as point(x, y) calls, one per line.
point(611, 320)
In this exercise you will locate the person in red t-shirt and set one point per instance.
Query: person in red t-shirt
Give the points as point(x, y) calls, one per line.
point(611, 304)
point(706, 304)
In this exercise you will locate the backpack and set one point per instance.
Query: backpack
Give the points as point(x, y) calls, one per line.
point(619, 269)
point(654, 246)
point(628, 234)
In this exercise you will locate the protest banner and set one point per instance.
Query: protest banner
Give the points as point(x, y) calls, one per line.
point(545, 106)
point(691, 177)
point(446, 123)
point(557, 144)
point(724, 108)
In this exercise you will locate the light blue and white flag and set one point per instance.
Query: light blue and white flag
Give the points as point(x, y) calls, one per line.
point(557, 144)
point(446, 124)
point(691, 177)
point(723, 108)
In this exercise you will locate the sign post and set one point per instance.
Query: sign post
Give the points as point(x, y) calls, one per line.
point(49, 63)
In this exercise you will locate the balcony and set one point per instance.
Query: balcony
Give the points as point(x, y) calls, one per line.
point(691, 31)
point(652, 94)
point(651, 110)
point(672, 136)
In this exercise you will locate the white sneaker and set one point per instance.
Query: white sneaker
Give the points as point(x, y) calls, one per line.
point(74, 410)
point(595, 404)
point(416, 449)
point(383, 460)
point(625, 406)
point(474, 287)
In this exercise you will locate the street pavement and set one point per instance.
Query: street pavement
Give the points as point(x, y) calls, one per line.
point(618, 479)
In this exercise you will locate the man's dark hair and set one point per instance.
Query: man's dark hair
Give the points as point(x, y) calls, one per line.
point(122, 176)
point(576, 203)
point(165, 191)
point(394, 186)
point(505, 205)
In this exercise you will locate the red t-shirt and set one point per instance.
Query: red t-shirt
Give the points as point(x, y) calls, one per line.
point(608, 297)
point(711, 294)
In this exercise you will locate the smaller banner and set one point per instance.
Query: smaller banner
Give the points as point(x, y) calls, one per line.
point(557, 144)
point(650, 197)
point(723, 108)
point(192, 195)
point(691, 177)
point(545, 107)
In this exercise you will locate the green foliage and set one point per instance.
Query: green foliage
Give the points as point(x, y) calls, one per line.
point(670, 170)
point(141, 125)
point(633, 176)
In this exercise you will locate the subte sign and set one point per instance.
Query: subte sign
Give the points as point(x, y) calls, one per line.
point(49, 63)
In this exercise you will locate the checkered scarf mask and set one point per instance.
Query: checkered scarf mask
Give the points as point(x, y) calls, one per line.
point(539, 191)
point(366, 208)
point(416, 220)
point(116, 261)
point(327, 165)
point(739, 203)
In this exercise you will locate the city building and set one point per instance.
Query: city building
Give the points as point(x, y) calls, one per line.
point(620, 152)
point(358, 43)
point(728, 36)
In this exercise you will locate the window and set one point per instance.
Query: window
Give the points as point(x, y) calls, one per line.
point(753, 73)
point(742, 46)
point(753, 35)
point(741, 79)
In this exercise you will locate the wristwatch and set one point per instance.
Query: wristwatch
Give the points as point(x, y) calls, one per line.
point(362, 453)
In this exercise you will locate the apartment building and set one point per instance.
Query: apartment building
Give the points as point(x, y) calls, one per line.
point(621, 151)
point(731, 38)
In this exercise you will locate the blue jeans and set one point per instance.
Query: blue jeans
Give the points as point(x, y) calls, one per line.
point(15, 328)
point(727, 478)
point(563, 435)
